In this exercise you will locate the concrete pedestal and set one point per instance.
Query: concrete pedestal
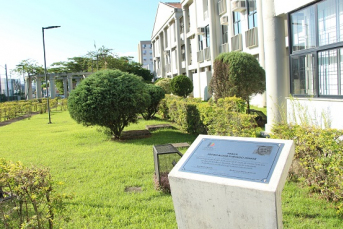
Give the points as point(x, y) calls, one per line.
point(220, 186)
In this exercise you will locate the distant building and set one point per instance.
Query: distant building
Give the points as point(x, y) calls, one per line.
point(11, 86)
point(145, 55)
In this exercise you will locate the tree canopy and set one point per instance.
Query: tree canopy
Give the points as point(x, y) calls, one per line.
point(237, 74)
point(181, 85)
point(109, 98)
point(156, 95)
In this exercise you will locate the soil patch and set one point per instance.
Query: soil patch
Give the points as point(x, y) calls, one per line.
point(135, 134)
point(7, 122)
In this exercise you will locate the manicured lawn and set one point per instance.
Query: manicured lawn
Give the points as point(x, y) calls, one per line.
point(97, 170)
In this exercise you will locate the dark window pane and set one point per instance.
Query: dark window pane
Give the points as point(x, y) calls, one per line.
point(303, 74)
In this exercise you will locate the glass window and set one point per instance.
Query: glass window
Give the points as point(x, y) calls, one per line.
point(329, 78)
point(225, 34)
point(236, 23)
point(201, 47)
point(327, 22)
point(303, 29)
point(183, 53)
point(303, 74)
point(252, 14)
point(207, 35)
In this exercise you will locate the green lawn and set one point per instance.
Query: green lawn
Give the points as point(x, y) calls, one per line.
point(96, 171)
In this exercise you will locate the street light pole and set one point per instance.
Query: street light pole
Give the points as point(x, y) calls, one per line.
point(8, 95)
point(46, 77)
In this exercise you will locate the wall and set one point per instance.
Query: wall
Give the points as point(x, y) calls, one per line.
point(321, 112)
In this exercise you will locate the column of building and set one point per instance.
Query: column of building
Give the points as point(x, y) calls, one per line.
point(261, 41)
point(52, 86)
point(213, 29)
point(162, 62)
point(185, 11)
point(65, 87)
point(29, 87)
point(275, 53)
point(178, 45)
point(39, 87)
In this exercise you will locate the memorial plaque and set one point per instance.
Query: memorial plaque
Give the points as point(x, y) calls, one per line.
point(244, 160)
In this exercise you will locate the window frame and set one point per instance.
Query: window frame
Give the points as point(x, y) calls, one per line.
point(252, 15)
point(315, 51)
point(236, 21)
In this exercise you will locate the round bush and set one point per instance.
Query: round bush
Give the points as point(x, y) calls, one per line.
point(165, 84)
point(109, 98)
point(181, 85)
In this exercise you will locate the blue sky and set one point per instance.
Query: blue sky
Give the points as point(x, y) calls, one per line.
point(116, 24)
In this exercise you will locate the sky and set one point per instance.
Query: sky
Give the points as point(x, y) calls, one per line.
point(115, 24)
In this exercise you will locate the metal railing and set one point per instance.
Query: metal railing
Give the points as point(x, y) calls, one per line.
point(236, 43)
point(222, 7)
point(207, 53)
point(251, 38)
point(200, 56)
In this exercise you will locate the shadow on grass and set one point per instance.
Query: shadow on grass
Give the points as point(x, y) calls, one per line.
point(163, 136)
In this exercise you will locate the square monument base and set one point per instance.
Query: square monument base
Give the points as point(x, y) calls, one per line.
point(226, 182)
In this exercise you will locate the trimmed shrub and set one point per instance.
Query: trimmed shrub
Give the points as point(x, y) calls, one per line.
point(109, 98)
point(165, 84)
point(181, 85)
point(156, 95)
point(318, 158)
point(227, 118)
point(237, 74)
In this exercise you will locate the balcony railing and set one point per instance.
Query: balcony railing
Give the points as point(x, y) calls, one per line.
point(251, 38)
point(200, 56)
point(236, 43)
point(224, 48)
point(222, 7)
point(207, 53)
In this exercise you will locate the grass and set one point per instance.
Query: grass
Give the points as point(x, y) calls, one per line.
point(97, 170)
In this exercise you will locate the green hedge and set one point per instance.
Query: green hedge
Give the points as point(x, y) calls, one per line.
point(226, 118)
point(318, 158)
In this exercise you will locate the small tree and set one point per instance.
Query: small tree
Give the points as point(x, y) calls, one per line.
point(181, 85)
point(108, 98)
point(237, 74)
point(156, 95)
point(165, 84)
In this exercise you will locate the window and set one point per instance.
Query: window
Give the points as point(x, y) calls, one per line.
point(181, 25)
point(316, 57)
point(207, 35)
point(236, 23)
point(225, 34)
point(252, 14)
point(183, 53)
point(201, 47)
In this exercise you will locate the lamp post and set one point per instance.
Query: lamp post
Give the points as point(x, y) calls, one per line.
point(46, 77)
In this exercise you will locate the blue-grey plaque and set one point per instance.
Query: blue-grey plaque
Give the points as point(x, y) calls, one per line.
point(243, 160)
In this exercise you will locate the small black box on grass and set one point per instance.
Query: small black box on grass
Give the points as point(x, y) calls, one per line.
point(165, 158)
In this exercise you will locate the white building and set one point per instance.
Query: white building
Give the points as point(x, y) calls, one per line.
point(298, 43)
point(145, 55)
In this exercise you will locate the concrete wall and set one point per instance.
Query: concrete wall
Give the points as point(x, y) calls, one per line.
point(325, 113)
point(283, 7)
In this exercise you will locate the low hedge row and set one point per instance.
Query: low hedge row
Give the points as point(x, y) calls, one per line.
point(318, 158)
point(227, 117)
point(10, 110)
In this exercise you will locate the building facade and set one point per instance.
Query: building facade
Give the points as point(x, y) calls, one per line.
point(145, 56)
point(298, 43)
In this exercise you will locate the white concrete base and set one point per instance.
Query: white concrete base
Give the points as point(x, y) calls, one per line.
point(209, 201)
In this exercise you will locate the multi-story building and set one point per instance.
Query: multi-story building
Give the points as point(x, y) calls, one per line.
point(298, 43)
point(145, 55)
